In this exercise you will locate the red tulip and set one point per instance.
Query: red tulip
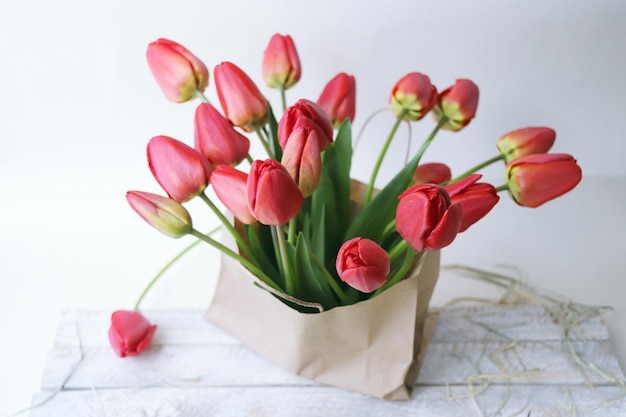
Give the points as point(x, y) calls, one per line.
point(363, 264)
point(302, 158)
point(476, 199)
point(458, 104)
point(539, 178)
point(216, 139)
point(526, 141)
point(281, 64)
point(162, 213)
point(432, 173)
point(180, 170)
point(338, 99)
point(413, 96)
point(273, 196)
point(130, 333)
point(305, 113)
point(178, 72)
point(229, 185)
point(240, 98)
point(426, 218)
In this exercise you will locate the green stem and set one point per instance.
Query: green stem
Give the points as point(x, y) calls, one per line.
point(398, 250)
point(201, 96)
point(503, 187)
point(283, 98)
point(291, 237)
point(331, 281)
point(168, 266)
point(240, 240)
point(381, 156)
point(388, 230)
point(264, 142)
point(477, 168)
point(430, 138)
point(400, 273)
point(234, 255)
point(249, 159)
point(277, 253)
point(290, 282)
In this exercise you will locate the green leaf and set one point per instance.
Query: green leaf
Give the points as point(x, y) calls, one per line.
point(372, 219)
point(325, 230)
point(312, 284)
point(273, 142)
point(338, 160)
point(260, 245)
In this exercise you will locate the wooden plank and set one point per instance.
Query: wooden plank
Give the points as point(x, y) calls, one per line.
point(216, 364)
point(306, 401)
point(516, 352)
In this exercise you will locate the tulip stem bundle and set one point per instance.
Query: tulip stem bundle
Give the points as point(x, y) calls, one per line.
point(243, 245)
point(227, 251)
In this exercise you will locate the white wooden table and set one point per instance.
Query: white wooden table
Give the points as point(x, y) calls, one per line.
point(482, 361)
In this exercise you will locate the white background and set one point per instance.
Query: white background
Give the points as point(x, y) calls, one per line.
point(78, 105)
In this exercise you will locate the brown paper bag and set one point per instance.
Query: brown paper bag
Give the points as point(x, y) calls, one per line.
point(372, 347)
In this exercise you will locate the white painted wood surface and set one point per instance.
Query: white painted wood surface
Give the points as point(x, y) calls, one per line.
point(481, 361)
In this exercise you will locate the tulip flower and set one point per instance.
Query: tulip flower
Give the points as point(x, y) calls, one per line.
point(338, 99)
point(458, 104)
point(426, 217)
point(162, 213)
point(413, 96)
point(281, 64)
point(476, 199)
point(130, 333)
point(216, 139)
point(240, 98)
point(526, 141)
point(180, 170)
point(178, 72)
point(273, 196)
point(229, 185)
point(302, 158)
point(363, 264)
point(536, 179)
point(305, 113)
point(432, 173)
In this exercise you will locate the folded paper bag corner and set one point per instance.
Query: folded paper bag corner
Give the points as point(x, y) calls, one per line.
point(372, 347)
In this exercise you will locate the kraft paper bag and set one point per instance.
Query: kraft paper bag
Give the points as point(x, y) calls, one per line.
point(372, 347)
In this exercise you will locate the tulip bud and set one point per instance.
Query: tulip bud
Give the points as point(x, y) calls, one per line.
point(164, 214)
point(229, 185)
point(281, 64)
point(130, 333)
point(476, 199)
point(338, 99)
point(526, 141)
point(363, 264)
point(302, 158)
point(539, 178)
point(413, 96)
point(240, 98)
point(273, 196)
point(180, 170)
point(458, 104)
point(216, 139)
point(305, 113)
point(432, 173)
point(178, 72)
point(426, 218)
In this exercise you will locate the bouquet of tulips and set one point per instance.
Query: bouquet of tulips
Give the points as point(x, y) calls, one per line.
point(302, 227)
